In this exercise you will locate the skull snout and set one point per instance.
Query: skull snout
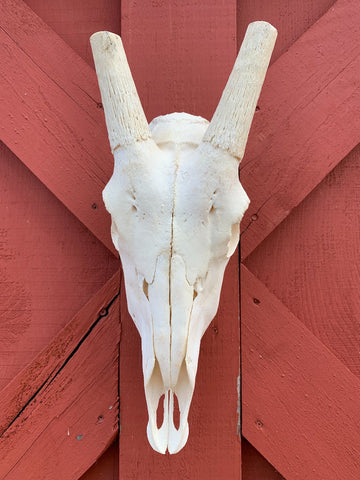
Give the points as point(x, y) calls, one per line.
point(170, 303)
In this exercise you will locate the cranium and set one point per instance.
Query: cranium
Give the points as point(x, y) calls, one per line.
point(176, 203)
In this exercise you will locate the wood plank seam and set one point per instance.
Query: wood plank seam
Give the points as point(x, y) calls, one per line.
point(306, 122)
point(257, 212)
point(86, 216)
point(63, 107)
point(59, 352)
point(52, 376)
point(254, 218)
point(56, 403)
point(239, 389)
point(283, 359)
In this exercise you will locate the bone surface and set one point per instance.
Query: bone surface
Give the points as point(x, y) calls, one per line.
point(176, 204)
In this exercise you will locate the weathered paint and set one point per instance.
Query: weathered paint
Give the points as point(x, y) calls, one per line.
point(286, 261)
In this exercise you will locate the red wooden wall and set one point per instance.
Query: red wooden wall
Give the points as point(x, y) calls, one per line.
point(60, 330)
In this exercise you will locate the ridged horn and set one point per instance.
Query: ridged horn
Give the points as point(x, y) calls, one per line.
point(230, 125)
point(125, 119)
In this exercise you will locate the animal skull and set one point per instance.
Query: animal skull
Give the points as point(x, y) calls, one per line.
point(176, 204)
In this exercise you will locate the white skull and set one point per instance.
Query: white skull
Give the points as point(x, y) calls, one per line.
point(176, 203)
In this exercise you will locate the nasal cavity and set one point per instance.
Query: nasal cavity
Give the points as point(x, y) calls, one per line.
point(160, 411)
point(176, 413)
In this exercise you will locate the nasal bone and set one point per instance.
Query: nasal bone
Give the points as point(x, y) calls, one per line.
point(168, 436)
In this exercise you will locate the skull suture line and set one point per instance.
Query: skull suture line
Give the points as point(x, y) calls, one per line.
point(176, 204)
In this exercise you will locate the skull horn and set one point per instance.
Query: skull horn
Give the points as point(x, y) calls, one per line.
point(125, 118)
point(230, 125)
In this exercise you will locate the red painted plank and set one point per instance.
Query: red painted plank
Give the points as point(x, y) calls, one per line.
point(75, 412)
point(290, 17)
point(309, 119)
point(75, 22)
point(300, 403)
point(107, 467)
point(50, 115)
point(255, 466)
point(181, 54)
point(19, 392)
point(311, 262)
point(50, 266)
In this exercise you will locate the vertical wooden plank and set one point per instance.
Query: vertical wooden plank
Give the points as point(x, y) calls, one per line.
point(181, 53)
point(213, 449)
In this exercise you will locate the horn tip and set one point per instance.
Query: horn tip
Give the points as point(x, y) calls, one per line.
point(263, 26)
point(104, 39)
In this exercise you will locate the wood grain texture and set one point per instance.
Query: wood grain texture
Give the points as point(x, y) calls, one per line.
point(75, 411)
point(298, 267)
point(60, 265)
point(107, 467)
point(308, 120)
point(51, 117)
point(75, 22)
point(180, 53)
point(255, 466)
point(300, 403)
point(311, 262)
point(50, 266)
point(25, 386)
point(290, 17)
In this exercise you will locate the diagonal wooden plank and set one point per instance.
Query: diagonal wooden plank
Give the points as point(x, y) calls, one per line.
point(28, 383)
point(309, 119)
point(46, 279)
point(71, 388)
point(311, 262)
point(290, 18)
point(50, 115)
point(106, 467)
point(280, 201)
point(51, 54)
point(300, 403)
point(76, 22)
point(255, 466)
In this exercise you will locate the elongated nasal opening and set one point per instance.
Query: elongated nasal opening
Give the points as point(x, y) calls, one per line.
point(168, 409)
point(171, 429)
